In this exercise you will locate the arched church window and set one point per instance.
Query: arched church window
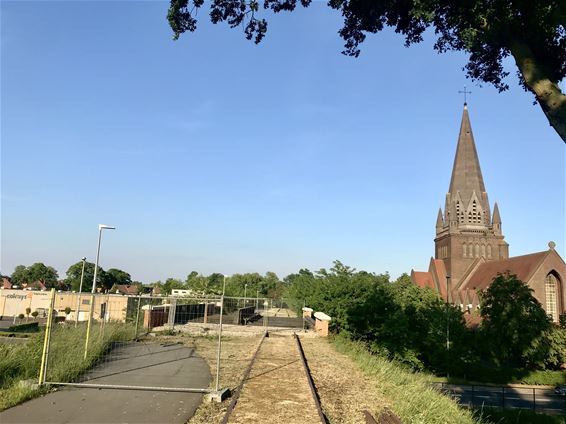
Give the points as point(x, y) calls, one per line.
point(489, 251)
point(551, 295)
point(483, 250)
point(464, 250)
point(477, 250)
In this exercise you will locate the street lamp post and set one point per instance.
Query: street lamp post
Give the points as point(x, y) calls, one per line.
point(80, 290)
point(100, 228)
point(245, 292)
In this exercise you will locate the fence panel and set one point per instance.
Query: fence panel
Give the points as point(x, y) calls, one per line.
point(98, 340)
point(508, 397)
point(241, 311)
point(109, 352)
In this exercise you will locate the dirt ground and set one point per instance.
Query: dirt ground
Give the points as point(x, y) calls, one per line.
point(276, 390)
point(229, 330)
point(280, 312)
point(343, 389)
point(237, 352)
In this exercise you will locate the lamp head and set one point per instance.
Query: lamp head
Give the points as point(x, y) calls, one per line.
point(105, 227)
point(83, 258)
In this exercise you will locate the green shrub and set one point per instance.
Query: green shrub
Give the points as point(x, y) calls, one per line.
point(517, 416)
point(30, 327)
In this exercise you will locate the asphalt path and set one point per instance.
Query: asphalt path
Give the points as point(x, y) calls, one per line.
point(138, 364)
point(544, 400)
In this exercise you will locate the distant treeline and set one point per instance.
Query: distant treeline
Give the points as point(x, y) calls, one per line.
point(395, 319)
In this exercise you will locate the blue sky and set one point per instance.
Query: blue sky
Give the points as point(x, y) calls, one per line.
point(213, 154)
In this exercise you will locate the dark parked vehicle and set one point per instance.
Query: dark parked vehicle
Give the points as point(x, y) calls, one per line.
point(560, 390)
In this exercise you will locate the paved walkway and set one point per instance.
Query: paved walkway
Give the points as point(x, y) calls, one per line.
point(148, 364)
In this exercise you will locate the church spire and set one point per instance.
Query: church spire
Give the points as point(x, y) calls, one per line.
point(466, 172)
point(439, 221)
point(496, 217)
point(496, 221)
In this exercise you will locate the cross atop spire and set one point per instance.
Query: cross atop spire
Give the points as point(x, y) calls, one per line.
point(464, 93)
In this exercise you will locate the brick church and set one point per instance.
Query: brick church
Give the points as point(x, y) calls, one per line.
point(470, 249)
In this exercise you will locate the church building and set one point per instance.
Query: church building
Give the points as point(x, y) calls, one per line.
point(470, 249)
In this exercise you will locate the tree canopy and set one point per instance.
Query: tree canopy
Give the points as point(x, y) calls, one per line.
point(398, 319)
point(38, 272)
point(512, 320)
point(117, 276)
point(74, 276)
point(104, 279)
point(533, 32)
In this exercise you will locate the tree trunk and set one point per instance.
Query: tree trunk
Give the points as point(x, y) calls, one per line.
point(548, 93)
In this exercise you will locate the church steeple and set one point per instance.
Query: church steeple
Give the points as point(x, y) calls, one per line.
point(468, 231)
point(466, 172)
point(466, 193)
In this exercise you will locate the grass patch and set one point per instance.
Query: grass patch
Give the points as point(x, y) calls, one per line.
point(518, 416)
point(18, 335)
point(66, 362)
point(408, 393)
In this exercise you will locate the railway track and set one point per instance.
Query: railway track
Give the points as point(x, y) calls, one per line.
point(276, 386)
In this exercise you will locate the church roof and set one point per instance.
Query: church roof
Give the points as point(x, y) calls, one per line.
point(472, 320)
point(438, 270)
point(466, 172)
point(124, 289)
point(422, 279)
point(522, 266)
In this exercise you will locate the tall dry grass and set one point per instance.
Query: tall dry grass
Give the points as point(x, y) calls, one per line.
point(408, 393)
point(20, 363)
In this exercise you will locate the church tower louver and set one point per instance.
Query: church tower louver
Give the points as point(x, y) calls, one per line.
point(466, 230)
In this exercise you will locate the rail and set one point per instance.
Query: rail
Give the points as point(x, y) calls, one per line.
point(303, 360)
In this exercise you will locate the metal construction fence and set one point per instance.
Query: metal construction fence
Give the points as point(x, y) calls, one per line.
point(505, 397)
point(100, 342)
point(235, 311)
